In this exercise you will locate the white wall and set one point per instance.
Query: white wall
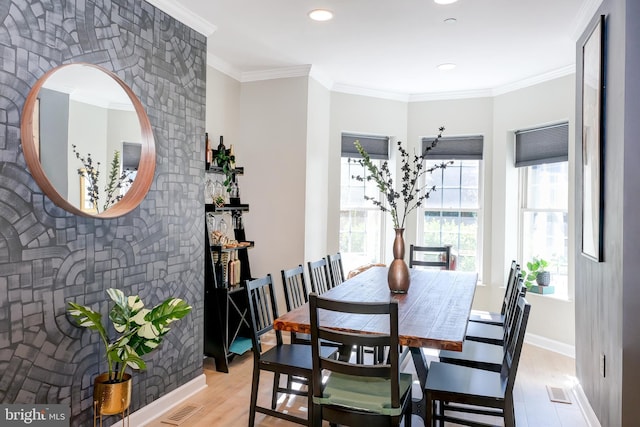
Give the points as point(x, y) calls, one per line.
point(273, 138)
point(223, 110)
point(317, 173)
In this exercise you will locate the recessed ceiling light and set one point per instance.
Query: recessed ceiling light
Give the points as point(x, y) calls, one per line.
point(321, 15)
point(450, 21)
point(446, 66)
point(445, 1)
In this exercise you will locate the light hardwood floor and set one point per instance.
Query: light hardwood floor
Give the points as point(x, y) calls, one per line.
point(225, 402)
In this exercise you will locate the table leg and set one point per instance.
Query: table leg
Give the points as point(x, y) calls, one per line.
point(420, 363)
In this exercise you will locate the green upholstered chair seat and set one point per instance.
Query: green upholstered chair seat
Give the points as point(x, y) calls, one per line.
point(364, 393)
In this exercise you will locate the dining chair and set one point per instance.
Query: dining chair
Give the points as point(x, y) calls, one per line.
point(482, 355)
point(430, 256)
point(357, 394)
point(336, 273)
point(498, 318)
point(319, 276)
point(461, 389)
point(495, 334)
point(293, 360)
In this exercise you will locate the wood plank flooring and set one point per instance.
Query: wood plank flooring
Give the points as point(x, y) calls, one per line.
point(225, 402)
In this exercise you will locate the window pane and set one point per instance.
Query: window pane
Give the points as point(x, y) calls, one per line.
point(360, 221)
point(545, 220)
point(458, 229)
point(548, 186)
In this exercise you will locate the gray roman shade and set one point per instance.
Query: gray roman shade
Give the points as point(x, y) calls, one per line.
point(549, 144)
point(455, 147)
point(131, 155)
point(376, 146)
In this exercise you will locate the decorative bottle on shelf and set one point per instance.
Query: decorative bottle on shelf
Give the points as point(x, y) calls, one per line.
point(221, 149)
point(231, 271)
point(234, 194)
point(208, 154)
point(232, 157)
point(236, 268)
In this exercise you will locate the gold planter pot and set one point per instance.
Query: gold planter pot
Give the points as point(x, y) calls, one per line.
point(111, 398)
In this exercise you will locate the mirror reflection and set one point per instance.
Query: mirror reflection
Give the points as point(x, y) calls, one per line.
point(89, 137)
point(87, 141)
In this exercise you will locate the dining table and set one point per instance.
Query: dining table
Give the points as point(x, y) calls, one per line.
point(432, 314)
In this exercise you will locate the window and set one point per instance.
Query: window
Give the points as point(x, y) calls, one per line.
point(542, 156)
point(361, 223)
point(451, 215)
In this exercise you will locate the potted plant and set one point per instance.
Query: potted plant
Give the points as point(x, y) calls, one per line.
point(536, 273)
point(138, 332)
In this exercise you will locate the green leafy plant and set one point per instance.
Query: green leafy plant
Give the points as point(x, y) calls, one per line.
point(535, 266)
point(139, 330)
point(412, 192)
point(225, 159)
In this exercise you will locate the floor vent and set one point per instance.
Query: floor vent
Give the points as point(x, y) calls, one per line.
point(180, 415)
point(558, 394)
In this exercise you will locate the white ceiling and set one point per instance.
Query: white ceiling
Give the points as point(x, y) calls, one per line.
point(393, 46)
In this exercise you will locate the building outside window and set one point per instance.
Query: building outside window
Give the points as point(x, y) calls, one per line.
point(452, 214)
point(542, 156)
point(362, 224)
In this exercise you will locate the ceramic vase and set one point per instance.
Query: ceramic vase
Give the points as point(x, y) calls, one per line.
point(398, 278)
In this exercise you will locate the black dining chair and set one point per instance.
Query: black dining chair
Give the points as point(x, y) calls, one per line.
point(319, 276)
point(336, 273)
point(292, 360)
point(460, 389)
point(494, 318)
point(482, 355)
point(430, 256)
point(495, 334)
point(356, 394)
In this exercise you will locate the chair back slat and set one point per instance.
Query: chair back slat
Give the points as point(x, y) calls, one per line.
point(514, 273)
point(430, 256)
point(387, 369)
point(319, 276)
point(514, 347)
point(296, 292)
point(263, 309)
point(335, 269)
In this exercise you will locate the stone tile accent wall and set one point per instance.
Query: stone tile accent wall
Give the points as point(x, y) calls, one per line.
point(49, 257)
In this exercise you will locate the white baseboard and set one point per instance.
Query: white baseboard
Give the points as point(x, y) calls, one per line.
point(581, 399)
point(166, 403)
point(551, 345)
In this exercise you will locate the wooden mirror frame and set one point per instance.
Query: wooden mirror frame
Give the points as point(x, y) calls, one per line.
point(146, 167)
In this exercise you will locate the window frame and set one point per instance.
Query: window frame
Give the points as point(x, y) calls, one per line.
point(420, 213)
point(523, 193)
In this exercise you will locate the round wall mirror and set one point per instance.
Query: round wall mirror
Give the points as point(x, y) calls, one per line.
point(87, 141)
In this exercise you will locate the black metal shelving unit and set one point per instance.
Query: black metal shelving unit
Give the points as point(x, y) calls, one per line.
point(226, 328)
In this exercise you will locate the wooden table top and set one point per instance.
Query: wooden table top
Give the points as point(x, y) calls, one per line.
point(434, 313)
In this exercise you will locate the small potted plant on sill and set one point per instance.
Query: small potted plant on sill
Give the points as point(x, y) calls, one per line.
point(536, 273)
point(139, 331)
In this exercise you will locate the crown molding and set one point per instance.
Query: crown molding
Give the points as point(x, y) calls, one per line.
point(373, 93)
point(275, 73)
point(540, 78)
point(184, 15)
point(223, 66)
point(324, 80)
point(443, 96)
